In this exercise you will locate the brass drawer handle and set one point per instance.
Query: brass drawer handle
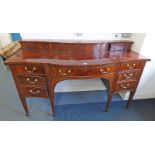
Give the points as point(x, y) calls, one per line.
point(34, 92)
point(30, 71)
point(65, 74)
point(124, 87)
point(131, 66)
point(30, 80)
point(103, 72)
point(128, 76)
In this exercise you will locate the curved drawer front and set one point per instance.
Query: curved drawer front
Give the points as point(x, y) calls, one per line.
point(28, 91)
point(36, 80)
point(128, 75)
point(30, 69)
point(131, 65)
point(85, 71)
point(128, 85)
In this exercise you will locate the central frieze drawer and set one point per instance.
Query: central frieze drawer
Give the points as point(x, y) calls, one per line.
point(85, 71)
point(30, 69)
point(29, 91)
point(36, 80)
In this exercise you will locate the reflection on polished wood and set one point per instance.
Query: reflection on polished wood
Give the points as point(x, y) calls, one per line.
point(40, 65)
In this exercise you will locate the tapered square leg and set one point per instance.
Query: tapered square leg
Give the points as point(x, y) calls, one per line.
point(132, 93)
point(23, 100)
point(52, 95)
point(108, 102)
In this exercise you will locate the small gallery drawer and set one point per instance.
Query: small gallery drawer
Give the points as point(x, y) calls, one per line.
point(28, 91)
point(131, 65)
point(117, 47)
point(128, 85)
point(131, 74)
point(37, 80)
point(87, 71)
point(30, 69)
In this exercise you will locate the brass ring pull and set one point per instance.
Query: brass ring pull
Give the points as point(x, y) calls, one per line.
point(131, 66)
point(34, 92)
point(103, 72)
point(30, 80)
point(65, 74)
point(128, 76)
point(30, 71)
point(124, 87)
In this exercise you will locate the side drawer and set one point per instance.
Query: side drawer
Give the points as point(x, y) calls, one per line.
point(126, 75)
point(36, 80)
point(131, 65)
point(127, 85)
point(30, 69)
point(29, 91)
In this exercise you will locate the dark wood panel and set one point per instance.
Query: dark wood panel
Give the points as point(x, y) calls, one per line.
point(33, 46)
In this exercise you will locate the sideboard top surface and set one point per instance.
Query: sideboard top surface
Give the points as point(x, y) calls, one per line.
point(87, 53)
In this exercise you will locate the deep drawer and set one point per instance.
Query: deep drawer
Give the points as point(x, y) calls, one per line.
point(127, 85)
point(28, 91)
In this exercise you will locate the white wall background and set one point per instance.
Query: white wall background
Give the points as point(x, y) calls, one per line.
point(73, 36)
point(138, 39)
point(4, 39)
point(146, 88)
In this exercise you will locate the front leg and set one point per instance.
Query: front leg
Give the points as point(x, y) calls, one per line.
point(51, 88)
point(110, 92)
point(108, 102)
point(132, 93)
point(51, 96)
point(23, 101)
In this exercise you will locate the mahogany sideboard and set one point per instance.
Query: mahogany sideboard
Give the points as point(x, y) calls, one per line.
point(40, 65)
